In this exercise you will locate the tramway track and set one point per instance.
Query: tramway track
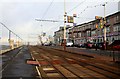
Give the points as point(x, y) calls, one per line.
point(79, 67)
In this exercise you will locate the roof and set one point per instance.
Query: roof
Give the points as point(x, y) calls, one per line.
point(96, 20)
point(113, 14)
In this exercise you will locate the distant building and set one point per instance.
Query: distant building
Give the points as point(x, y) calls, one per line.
point(89, 32)
point(92, 31)
point(44, 39)
point(59, 35)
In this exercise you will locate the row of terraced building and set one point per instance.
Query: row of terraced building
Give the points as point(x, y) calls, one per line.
point(88, 32)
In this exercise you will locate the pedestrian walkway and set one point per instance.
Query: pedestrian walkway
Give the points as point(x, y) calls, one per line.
point(18, 68)
point(7, 50)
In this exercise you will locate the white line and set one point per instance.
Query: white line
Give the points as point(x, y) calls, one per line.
point(38, 72)
point(37, 67)
point(32, 56)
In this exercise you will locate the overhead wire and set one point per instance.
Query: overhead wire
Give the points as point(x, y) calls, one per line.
point(67, 12)
point(10, 30)
point(91, 7)
point(85, 8)
point(76, 6)
point(55, 26)
point(47, 9)
point(72, 10)
point(45, 12)
point(96, 6)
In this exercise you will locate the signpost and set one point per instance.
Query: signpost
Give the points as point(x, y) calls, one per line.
point(70, 19)
point(102, 25)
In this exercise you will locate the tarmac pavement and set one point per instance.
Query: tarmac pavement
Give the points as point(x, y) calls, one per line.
point(18, 68)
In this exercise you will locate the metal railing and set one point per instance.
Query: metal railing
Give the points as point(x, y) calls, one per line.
point(8, 39)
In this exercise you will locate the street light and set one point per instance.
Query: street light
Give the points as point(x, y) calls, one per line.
point(103, 22)
point(65, 14)
point(104, 27)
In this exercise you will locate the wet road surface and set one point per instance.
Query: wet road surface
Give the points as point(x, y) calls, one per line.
point(18, 69)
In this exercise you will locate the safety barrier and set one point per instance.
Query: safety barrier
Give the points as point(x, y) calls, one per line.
point(8, 39)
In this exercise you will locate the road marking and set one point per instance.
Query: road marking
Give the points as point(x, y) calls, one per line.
point(32, 57)
point(38, 72)
point(37, 67)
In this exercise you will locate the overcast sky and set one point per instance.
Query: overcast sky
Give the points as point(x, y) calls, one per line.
point(20, 15)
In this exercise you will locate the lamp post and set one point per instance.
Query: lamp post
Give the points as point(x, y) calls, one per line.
point(65, 14)
point(104, 28)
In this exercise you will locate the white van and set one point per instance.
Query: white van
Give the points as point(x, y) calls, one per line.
point(69, 43)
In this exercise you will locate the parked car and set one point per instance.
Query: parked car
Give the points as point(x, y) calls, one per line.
point(69, 44)
point(115, 45)
point(79, 45)
point(89, 45)
point(46, 44)
point(76, 44)
point(100, 45)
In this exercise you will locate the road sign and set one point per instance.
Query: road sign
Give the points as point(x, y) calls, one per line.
point(70, 19)
point(98, 17)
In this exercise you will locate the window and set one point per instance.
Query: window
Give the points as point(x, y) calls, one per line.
point(79, 29)
point(116, 28)
point(108, 21)
point(118, 37)
point(101, 40)
point(113, 39)
point(93, 32)
point(98, 32)
point(94, 26)
point(88, 33)
point(107, 39)
point(79, 34)
point(117, 17)
point(107, 29)
point(102, 31)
